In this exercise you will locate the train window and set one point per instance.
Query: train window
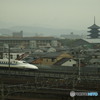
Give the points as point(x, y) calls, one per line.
point(24, 62)
point(14, 62)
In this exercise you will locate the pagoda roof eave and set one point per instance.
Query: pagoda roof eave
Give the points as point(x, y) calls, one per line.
point(94, 26)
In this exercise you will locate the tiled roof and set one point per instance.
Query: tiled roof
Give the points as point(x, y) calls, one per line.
point(92, 40)
point(50, 54)
point(47, 55)
point(95, 60)
point(94, 26)
point(61, 61)
point(28, 38)
point(79, 42)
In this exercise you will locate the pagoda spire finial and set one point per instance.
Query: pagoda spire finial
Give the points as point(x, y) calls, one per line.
point(94, 19)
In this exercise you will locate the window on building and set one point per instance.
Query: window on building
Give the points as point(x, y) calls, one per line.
point(47, 60)
point(11, 56)
point(53, 59)
point(96, 56)
point(70, 60)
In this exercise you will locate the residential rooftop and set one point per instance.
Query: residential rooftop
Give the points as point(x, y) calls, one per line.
point(28, 38)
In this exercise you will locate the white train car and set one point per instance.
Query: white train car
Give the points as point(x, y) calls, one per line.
point(4, 63)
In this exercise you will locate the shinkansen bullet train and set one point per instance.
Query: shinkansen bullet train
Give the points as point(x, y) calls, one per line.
point(4, 63)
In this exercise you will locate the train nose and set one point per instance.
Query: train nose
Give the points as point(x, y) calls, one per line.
point(33, 67)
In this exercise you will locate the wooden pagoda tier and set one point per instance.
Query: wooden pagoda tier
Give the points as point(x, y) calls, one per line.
point(94, 26)
point(94, 31)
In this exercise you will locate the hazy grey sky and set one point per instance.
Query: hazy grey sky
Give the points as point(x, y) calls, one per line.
point(69, 14)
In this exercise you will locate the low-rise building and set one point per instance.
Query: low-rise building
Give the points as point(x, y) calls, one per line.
point(12, 55)
point(30, 42)
point(66, 62)
point(95, 61)
point(49, 58)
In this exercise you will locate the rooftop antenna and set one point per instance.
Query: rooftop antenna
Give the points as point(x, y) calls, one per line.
point(94, 19)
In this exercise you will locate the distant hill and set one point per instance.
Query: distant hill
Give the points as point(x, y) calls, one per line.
point(40, 31)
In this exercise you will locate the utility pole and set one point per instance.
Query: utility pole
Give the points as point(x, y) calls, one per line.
point(79, 69)
point(79, 65)
point(7, 46)
point(74, 87)
point(9, 59)
point(2, 92)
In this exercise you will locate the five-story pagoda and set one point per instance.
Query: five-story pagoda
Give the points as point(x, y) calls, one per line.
point(94, 30)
